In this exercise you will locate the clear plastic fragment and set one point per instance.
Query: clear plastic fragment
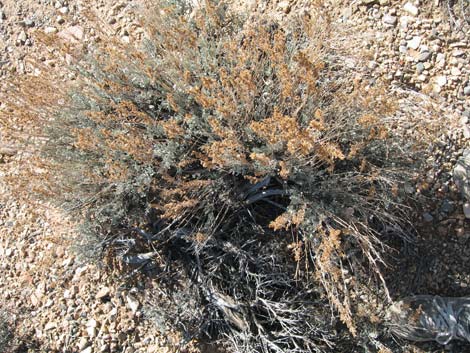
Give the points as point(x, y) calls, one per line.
point(431, 318)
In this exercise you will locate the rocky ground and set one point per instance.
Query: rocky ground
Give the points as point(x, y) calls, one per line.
point(59, 303)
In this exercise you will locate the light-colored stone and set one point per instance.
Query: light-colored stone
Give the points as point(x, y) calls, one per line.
point(389, 19)
point(424, 56)
point(411, 9)
point(441, 80)
point(50, 30)
point(132, 303)
point(414, 43)
point(83, 343)
point(103, 292)
point(455, 71)
point(91, 331)
point(466, 210)
point(72, 34)
point(284, 6)
point(50, 326)
point(22, 37)
point(92, 323)
point(458, 52)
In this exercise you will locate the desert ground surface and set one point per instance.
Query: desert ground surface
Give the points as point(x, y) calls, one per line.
point(54, 301)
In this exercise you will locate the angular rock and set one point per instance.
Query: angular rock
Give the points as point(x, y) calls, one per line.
point(411, 9)
point(103, 292)
point(414, 43)
point(50, 326)
point(466, 210)
point(424, 56)
point(419, 68)
point(427, 217)
point(50, 30)
point(22, 37)
point(389, 19)
point(132, 303)
point(72, 34)
point(455, 71)
point(441, 80)
point(461, 175)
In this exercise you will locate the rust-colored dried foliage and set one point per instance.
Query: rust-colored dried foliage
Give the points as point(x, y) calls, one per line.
point(215, 105)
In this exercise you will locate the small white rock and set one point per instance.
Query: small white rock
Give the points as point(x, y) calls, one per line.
point(22, 37)
point(72, 33)
point(49, 326)
point(133, 303)
point(87, 350)
point(284, 6)
point(455, 71)
point(411, 9)
point(440, 57)
point(441, 80)
point(414, 43)
point(103, 292)
point(82, 343)
point(389, 19)
point(91, 331)
point(50, 30)
point(91, 323)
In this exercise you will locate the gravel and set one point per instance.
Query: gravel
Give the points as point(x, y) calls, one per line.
point(414, 50)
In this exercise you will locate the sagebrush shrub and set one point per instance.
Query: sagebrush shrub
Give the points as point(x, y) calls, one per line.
point(241, 161)
point(5, 331)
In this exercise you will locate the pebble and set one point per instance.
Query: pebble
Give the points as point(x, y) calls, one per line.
point(133, 303)
point(50, 30)
point(72, 33)
point(447, 207)
point(466, 210)
point(87, 350)
point(389, 19)
point(424, 56)
point(91, 323)
point(441, 58)
point(91, 331)
point(441, 80)
point(455, 71)
point(466, 90)
point(419, 68)
point(103, 292)
point(22, 37)
point(372, 65)
point(427, 217)
point(49, 326)
point(284, 6)
point(414, 43)
point(28, 22)
point(82, 343)
point(411, 9)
